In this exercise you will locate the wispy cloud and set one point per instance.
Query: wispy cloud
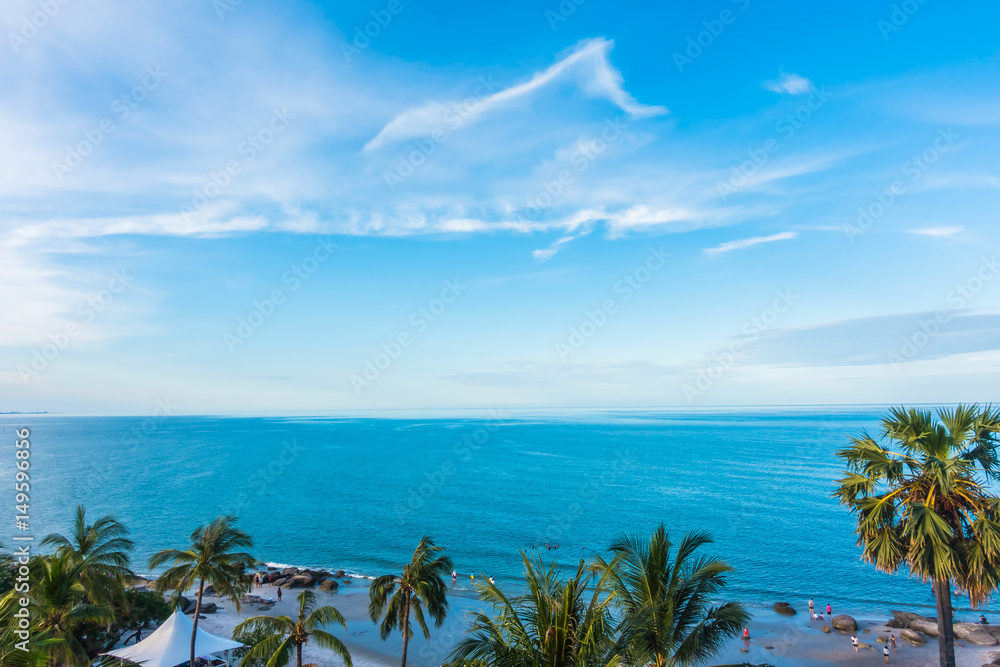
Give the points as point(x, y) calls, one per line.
point(752, 241)
point(589, 60)
point(936, 231)
point(545, 254)
point(790, 84)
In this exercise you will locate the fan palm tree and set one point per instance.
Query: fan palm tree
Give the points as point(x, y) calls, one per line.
point(421, 585)
point(556, 623)
point(103, 550)
point(921, 502)
point(287, 635)
point(212, 558)
point(665, 597)
point(60, 604)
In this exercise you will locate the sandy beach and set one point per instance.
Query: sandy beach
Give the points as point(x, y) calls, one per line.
point(775, 639)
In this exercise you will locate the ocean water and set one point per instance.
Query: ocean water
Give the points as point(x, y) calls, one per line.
point(357, 493)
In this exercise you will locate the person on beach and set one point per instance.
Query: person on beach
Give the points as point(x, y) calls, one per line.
point(982, 620)
point(829, 610)
point(892, 640)
point(491, 580)
point(885, 652)
point(279, 593)
point(854, 641)
point(811, 609)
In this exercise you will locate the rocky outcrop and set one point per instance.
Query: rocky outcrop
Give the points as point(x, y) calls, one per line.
point(928, 626)
point(923, 624)
point(208, 607)
point(328, 585)
point(844, 622)
point(826, 629)
point(975, 633)
point(912, 636)
point(784, 609)
point(866, 645)
point(904, 617)
point(256, 599)
point(882, 639)
point(289, 571)
point(302, 581)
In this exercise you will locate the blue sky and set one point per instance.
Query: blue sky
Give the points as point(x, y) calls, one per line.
point(261, 206)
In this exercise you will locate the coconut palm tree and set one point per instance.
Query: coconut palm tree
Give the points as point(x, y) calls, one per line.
point(287, 635)
point(421, 585)
point(919, 493)
point(103, 550)
point(666, 599)
point(556, 623)
point(212, 558)
point(60, 605)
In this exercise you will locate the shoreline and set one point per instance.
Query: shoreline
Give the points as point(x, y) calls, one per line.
point(776, 639)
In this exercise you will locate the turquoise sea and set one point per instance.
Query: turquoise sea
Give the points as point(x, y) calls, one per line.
point(356, 493)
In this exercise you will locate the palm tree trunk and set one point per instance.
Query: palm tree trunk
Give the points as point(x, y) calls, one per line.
point(946, 631)
point(406, 624)
point(298, 654)
point(197, 610)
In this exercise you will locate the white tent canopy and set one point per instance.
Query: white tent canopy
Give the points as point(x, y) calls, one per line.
point(170, 644)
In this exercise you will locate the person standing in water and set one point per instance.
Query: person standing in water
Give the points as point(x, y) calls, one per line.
point(892, 640)
point(454, 575)
point(829, 610)
point(885, 652)
point(854, 642)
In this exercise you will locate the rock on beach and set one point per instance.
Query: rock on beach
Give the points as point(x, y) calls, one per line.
point(844, 622)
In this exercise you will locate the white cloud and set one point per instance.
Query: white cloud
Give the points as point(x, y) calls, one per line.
point(590, 60)
point(790, 84)
point(937, 231)
point(746, 243)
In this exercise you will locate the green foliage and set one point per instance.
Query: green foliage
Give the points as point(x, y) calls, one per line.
point(213, 558)
point(666, 596)
point(103, 549)
point(559, 622)
point(278, 638)
point(250, 639)
point(652, 604)
point(393, 597)
point(919, 491)
point(60, 603)
point(139, 608)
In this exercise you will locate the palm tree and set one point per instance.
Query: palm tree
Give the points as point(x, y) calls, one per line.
point(919, 495)
point(556, 623)
point(665, 598)
point(212, 559)
point(287, 635)
point(421, 584)
point(59, 603)
point(103, 549)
